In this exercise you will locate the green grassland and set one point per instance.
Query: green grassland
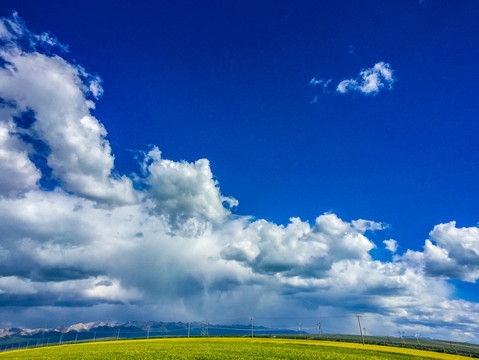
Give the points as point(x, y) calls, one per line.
point(222, 348)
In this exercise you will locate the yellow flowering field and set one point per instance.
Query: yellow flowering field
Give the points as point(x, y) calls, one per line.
point(222, 348)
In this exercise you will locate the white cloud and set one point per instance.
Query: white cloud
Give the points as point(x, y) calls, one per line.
point(14, 31)
point(391, 245)
point(79, 154)
point(173, 248)
point(456, 253)
point(4, 33)
point(449, 253)
point(369, 81)
point(103, 288)
point(315, 82)
point(15, 285)
point(17, 173)
point(95, 87)
point(362, 225)
point(346, 85)
point(297, 249)
point(183, 190)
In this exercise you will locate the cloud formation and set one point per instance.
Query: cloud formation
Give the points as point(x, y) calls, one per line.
point(391, 245)
point(79, 240)
point(70, 140)
point(370, 81)
point(183, 191)
point(316, 82)
point(451, 253)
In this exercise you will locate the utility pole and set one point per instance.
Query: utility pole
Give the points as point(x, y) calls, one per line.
point(300, 327)
point(360, 328)
point(76, 338)
point(118, 335)
point(319, 328)
point(252, 332)
point(189, 328)
point(148, 332)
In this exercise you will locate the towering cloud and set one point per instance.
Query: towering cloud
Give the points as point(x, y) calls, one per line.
point(183, 191)
point(61, 134)
point(81, 243)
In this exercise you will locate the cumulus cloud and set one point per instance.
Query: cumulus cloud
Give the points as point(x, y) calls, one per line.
point(450, 252)
point(369, 81)
point(17, 173)
point(73, 141)
point(297, 249)
point(183, 190)
point(78, 240)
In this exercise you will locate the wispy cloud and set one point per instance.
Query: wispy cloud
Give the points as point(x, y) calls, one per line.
point(317, 82)
point(14, 32)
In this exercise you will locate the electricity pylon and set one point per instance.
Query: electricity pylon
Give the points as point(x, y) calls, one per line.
point(204, 329)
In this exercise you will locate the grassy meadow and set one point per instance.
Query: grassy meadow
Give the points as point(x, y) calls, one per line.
point(222, 348)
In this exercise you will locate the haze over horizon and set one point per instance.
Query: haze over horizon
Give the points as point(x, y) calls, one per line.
point(182, 162)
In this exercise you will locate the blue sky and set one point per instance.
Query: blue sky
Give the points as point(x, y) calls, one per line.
point(230, 83)
point(256, 90)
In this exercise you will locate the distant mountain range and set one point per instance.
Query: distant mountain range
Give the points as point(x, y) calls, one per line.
point(129, 330)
